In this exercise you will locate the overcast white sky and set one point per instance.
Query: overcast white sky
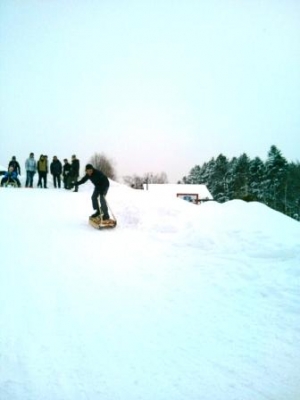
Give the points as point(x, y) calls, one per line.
point(158, 86)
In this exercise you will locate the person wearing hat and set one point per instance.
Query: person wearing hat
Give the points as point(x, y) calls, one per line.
point(16, 166)
point(101, 182)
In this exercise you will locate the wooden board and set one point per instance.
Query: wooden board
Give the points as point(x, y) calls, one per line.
point(97, 223)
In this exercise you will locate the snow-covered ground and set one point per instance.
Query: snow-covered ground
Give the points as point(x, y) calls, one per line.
point(178, 302)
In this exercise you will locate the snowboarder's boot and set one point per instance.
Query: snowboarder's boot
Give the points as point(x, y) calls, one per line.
point(95, 215)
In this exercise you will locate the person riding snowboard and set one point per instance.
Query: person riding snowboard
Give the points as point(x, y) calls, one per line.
point(101, 182)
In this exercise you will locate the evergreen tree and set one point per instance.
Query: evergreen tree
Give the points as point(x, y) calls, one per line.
point(241, 177)
point(194, 176)
point(217, 177)
point(293, 191)
point(207, 171)
point(276, 178)
point(275, 182)
point(256, 179)
point(229, 179)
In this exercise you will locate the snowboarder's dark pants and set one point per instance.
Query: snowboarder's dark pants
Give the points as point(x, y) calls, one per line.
point(100, 192)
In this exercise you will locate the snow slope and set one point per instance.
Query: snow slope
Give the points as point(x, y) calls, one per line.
point(179, 302)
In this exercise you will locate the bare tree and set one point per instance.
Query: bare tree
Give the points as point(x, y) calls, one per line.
point(106, 165)
point(155, 178)
point(137, 182)
point(160, 178)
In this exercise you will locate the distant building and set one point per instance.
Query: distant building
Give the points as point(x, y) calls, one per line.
point(193, 193)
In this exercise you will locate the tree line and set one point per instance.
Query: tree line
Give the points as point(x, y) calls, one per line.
point(274, 182)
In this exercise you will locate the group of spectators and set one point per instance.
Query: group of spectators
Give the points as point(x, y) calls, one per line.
point(66, 172)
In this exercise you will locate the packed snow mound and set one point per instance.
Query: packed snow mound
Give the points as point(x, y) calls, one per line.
point(177, 302)
point(232, 226)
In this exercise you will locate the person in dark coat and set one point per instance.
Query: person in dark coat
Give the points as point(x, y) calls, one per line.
point(16, 166)
point(74, 173)
point(66, 173)
point(56, 170)
point(101, 182)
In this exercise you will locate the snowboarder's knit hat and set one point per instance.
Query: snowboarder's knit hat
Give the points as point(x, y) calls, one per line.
point(89, 166)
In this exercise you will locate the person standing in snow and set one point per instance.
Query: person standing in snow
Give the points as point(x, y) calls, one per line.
point(74, 173)
point(16, 166)
point(42, 168)
point(30, 166)
point(56, 170)
point(66, 173)
point(101, 183)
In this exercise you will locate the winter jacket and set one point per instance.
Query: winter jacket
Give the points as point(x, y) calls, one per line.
point(15, 165)
point(56, 167)
point(42, 165)
point(66, 169)
point(75, 166)
point(98, 179)
point(30, 164)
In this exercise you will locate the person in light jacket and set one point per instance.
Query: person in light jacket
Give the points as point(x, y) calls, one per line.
point(30, 166)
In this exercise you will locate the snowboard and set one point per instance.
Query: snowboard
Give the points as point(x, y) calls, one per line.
point(98, 223)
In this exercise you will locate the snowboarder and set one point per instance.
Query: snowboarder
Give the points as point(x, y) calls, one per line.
point(101, 182)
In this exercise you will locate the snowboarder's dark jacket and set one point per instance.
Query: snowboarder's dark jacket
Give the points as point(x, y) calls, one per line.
point(100, 180)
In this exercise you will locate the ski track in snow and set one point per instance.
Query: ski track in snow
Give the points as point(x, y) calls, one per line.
point(178, 302)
